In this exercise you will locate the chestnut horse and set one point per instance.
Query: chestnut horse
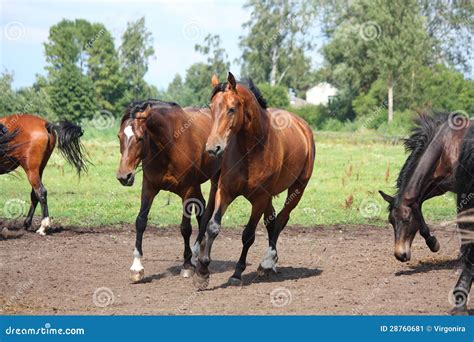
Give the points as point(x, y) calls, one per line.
point(30, 141)
point(434, 167)
point(169, 142)
point(263, 152)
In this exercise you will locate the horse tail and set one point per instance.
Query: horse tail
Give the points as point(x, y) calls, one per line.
point(70, 145)
point(6, 138)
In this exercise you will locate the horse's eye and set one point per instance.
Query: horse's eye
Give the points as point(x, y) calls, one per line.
point(231, 111)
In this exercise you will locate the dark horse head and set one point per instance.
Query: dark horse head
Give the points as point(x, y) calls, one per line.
point(132, 136)
point(418, 182)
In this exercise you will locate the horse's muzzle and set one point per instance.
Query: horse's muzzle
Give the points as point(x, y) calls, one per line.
point(126, 179)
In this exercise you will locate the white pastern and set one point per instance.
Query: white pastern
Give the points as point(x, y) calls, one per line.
point(137, 262)
point(128, 131)
point(270, 259)
point(45, 224)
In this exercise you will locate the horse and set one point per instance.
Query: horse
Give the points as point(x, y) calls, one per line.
point(263, 152)
point(169, 142)
point(29, 141)
point(432, 169)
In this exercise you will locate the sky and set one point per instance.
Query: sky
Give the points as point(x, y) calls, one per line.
point(176, 27)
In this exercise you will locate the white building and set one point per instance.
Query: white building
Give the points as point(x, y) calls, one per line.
point(321, 93)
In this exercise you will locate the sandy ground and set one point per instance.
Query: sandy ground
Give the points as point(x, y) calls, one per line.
point(322, 271)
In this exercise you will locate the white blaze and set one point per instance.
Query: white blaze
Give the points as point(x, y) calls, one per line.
point(128, 131)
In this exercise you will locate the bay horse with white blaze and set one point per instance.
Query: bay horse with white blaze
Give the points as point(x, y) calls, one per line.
point(29, 141)
point(169, 142)
point(263, 152)
point(434, 167)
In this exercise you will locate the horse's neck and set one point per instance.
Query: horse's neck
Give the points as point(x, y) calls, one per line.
point(422, 177)
point(257, 131)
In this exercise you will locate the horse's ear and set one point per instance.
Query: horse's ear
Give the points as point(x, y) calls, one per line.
point(231, 81)
point(214, 81)
point(144, 114)
point(386, 197)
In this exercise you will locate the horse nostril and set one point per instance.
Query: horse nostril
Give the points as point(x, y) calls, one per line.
point(128, 176)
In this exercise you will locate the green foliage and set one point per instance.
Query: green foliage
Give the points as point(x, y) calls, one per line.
point(276, 96)
point(315, 116)
point(196, 89)
point(274, 48)
point(134, 53)
point(72, 94)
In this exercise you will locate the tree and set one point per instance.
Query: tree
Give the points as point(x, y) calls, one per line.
point(72, 94)
point(274, 49)
point(134, 53)
point(196, 90)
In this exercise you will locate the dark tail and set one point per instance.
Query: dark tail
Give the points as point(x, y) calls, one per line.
point(6, 138)
point(70, 146)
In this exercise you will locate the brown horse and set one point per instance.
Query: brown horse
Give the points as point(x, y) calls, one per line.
point(29, 142)
point(263, 153)
point(432, 169)
point(169, 142)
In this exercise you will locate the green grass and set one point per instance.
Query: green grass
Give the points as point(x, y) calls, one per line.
point(347, 166)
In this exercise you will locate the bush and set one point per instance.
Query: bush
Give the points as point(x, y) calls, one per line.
point(313, 115)
point(332, 124)
point(401, 124)
point(276, 96)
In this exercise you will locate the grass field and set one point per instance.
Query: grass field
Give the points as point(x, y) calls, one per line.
point(348, 172)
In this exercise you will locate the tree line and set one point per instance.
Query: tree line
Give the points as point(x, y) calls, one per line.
point(387, 58)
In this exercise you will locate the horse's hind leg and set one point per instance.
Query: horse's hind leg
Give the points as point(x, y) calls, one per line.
point(295, 192)
point(31, 212)
point(192, 200)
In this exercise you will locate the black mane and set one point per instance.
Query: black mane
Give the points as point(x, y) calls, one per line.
point(422, 134)
point(139, 106)
point(246, 83)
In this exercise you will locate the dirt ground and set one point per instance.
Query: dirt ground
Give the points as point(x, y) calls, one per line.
point(322, 271)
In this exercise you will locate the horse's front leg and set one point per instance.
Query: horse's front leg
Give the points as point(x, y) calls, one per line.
point(201, 277)
point(204, 220)
point(430, 240)
point(137, 271)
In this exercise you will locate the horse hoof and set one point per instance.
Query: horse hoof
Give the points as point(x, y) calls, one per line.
point(137, 276)
point(187, 273)
point(235, 282)
point(433, 244)
point(200, 282)
point(264, 272)
point(41, 232)
point(459, 311)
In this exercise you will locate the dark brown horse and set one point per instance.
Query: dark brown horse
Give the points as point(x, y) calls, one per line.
point(263, 152)
point(169, 142)
point(28, 142)
point(432, 169)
